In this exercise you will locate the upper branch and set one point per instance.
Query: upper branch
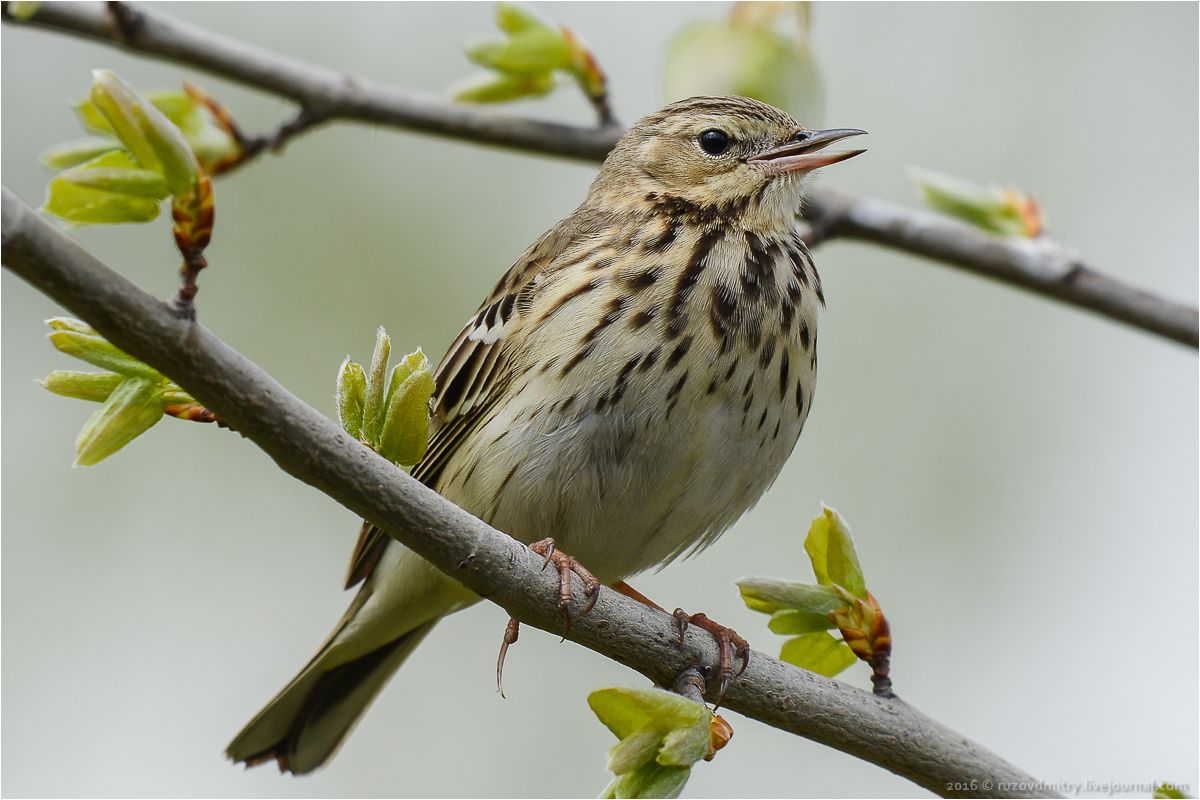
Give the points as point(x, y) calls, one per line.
point(317, 451)
point(1041, 264)
point(326, 95)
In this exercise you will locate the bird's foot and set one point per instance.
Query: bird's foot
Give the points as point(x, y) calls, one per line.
point(511, 631)
point(727, 640)
point(565, 565)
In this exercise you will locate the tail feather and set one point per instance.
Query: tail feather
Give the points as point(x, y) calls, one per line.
point(305, 725)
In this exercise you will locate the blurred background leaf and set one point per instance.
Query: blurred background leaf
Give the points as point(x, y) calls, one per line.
point(761, 50)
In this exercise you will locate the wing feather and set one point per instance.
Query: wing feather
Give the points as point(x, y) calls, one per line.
point(471, 377)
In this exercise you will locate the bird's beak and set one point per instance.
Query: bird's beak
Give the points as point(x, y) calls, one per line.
point(802, 153)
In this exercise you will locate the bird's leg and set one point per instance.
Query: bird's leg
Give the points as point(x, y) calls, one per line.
point(627, 590)
point(727, 639)
point(566, 565)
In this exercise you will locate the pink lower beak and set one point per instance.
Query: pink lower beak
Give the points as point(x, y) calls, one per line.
point(802, 154)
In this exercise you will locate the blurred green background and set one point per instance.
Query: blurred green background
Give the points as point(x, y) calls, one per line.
point(1021, 476)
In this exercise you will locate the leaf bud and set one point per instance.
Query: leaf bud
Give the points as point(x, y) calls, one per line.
point(132, 409)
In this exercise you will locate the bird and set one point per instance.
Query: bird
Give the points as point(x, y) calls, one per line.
point(632, 385)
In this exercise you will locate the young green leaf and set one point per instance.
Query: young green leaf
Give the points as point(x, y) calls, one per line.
point(119, 104)
point(132, 409)
point(373, 407)
point(662, 734)
point(23, 9)
point(72, 154)
point(91, 118)
point(752, 53)
point(93, 386)
point(178, 161)
point(513, 19)
point(818, 652)
point(84, 205)
point(831, 550)
point(76, 339)
point(72, 198)
point(1005, 212)
point(533, 51)
point(498, 88)
point(649, 780)
point(211, 143)
point(137, 182)
point(820, 600)
point(790, 622)
point(350, 397)
point(405, 434)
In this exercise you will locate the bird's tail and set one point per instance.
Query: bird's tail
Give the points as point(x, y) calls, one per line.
point(305, 724)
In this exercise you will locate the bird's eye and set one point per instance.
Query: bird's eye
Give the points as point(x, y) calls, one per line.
point(714, 141)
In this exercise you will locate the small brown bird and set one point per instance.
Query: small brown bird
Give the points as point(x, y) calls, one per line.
point(632, 386)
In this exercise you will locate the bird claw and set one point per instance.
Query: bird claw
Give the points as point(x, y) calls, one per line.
point(566, 565)
point(728, 642)
point(511, 631)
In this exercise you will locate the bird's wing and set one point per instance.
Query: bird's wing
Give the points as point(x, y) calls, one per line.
point(472, 375)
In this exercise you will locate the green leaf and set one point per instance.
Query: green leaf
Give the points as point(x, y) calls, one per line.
point(85, 205)
point(23, 9)
point(818, 652)
point(625, 711)
point(532, 52)
point(92, 205)
point(210, 142)
point(74, 153)
point(650, 780)
point(495, 88)
point(640, 747)
point(373, 407)
point(350, 397)
point(76, 339)
point(405, 434)
point(831, 549)
point(178, 162)
point(685, 745)
point(745, 55)
point(762, 606)
point(790, 622)
point(988, 207)
point(819, 600)
point(512, 18)
point(93, 386)
point(662, 734)
point(120, 105)
point(91, 118)
point(1168, 792)
point(132, 409)
point(137, 182)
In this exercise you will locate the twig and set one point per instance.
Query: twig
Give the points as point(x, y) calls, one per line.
point(1041, 264)
point(325, 95)
point(317, 451)
point(250, 146)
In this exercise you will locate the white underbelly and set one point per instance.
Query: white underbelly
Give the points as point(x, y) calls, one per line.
point(631, 486)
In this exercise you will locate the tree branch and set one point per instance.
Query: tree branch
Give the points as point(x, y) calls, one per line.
point(1043, 264)
point(314, 449)
point(325, 95)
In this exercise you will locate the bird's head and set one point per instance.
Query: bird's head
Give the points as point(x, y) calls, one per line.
point(718, 152)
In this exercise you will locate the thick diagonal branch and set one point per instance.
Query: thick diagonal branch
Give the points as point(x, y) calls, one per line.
point(325, 95)
point(316, 450)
